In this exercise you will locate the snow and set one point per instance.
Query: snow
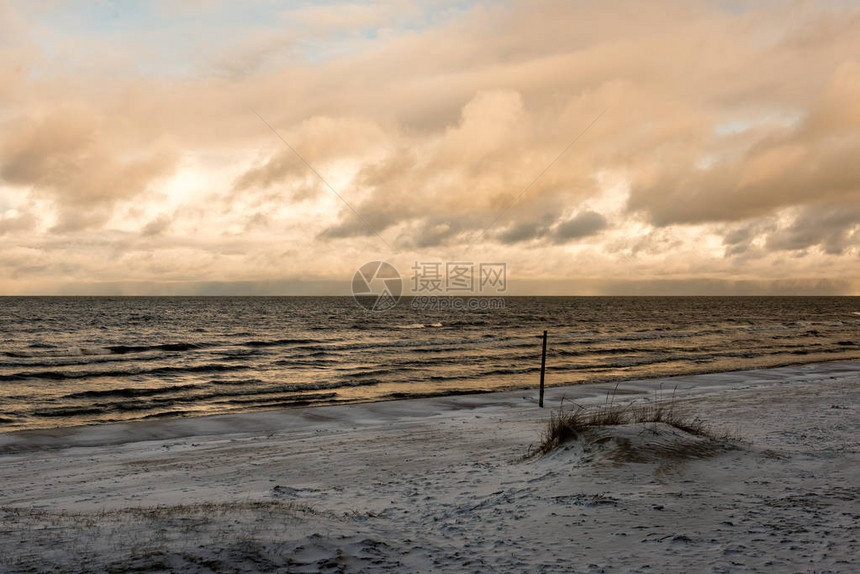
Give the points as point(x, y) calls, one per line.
point(444, 485)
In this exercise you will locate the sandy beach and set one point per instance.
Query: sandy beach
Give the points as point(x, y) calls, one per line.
point(443, 485)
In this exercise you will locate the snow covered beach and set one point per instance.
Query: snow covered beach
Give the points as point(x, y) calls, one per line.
point(441, 484)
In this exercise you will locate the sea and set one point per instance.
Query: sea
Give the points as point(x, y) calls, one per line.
point(67, 361)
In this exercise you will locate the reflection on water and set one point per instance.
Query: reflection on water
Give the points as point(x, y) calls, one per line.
point(82, 360)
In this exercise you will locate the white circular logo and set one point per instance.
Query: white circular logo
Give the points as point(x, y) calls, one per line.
point(377, 286)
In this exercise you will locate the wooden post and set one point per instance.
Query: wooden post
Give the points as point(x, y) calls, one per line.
point(542, 370)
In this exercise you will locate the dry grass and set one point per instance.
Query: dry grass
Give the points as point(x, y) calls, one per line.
point(160, 512)
point(566, 425)
point(256, 535)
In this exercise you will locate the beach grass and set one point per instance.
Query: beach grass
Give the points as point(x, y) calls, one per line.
point(568, 424)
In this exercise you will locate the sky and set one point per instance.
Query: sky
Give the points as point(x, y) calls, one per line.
point(264, 147)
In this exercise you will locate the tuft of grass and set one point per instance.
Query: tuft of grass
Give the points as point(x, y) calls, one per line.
point(566, 425)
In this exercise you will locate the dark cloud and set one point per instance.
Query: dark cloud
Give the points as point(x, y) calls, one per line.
point(739, 239)
point(532, 220)
point(157, 226)
point(834, 229)
point(584, 224)
point(373, 216)
point(281, 166)
point(437, 232)
point(520, 232)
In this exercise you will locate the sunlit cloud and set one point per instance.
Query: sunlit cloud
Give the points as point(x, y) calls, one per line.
point(132, 157)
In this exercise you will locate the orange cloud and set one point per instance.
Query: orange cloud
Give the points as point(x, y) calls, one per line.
point(733, 128)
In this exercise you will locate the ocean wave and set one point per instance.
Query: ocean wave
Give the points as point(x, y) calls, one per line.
point(391, 344)
point(291, 404)
point(70, 411)
point(74, 375)
point(52, 351)
point(279, 342)
point(165, 414)
point(272, 397)
point(482, 374)
point(236, 382)
point(236, 389)
point(372, 372)
point(275, 401)
point(642, 336)
point(305, 361)
point(171, 347)
point(601, 351)
point(45, 362)
point(131, 392)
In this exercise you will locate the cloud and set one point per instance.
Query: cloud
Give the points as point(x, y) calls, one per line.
point(251, 54)
point(731, 136)
point(524, 231)
point(584, 224)
point(17, 222)
point(462, 178)
point(559, 231)
point(814, 163)
point(66, 156)
point(832, 228)
point(157, 226)
point(742, 239)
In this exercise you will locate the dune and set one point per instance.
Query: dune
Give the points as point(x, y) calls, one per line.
point(444, 484)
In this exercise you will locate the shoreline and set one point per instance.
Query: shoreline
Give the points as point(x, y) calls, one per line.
point(59, 431)
point(441, 484)
point(289, 418)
